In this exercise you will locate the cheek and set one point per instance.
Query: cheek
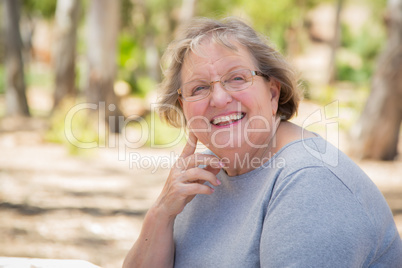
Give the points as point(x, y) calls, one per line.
point(257, 93)
point(257, 102)
point(192, 109)
point(244, 98)
point(259, 107)
point(195, 116)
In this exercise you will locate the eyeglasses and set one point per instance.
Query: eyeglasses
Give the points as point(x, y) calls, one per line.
point(234, 81)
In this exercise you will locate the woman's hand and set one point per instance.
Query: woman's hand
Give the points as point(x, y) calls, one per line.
point(155, 246)
point(186, 179)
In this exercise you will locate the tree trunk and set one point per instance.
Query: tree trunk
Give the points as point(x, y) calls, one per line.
point(187, 10)
point(152, 58)
point(335, 43)
point(16, 100)
point(67, 13)
point(377, 131)
point(103, 27)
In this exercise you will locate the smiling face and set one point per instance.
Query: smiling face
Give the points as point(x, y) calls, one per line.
point(227, 122)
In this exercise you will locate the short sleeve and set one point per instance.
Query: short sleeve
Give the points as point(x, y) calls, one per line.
point(314, 220)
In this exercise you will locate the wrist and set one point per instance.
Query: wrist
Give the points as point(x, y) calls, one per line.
point(159, 213)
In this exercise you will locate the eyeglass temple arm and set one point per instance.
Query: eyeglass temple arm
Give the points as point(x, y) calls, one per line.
point(261, 74)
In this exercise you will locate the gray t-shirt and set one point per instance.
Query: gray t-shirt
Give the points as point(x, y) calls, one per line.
point(308, 206)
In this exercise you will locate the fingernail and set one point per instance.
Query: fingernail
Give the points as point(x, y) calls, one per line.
point(218, 182)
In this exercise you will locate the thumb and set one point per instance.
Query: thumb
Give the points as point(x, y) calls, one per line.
point(190, 146)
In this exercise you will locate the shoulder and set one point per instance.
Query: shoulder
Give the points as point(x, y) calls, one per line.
point(315, 165)
point(317, 208)
point(316, 171)
point(314, 216)
point(312, 187)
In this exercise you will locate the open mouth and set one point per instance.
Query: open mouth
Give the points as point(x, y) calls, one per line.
point(227, 119)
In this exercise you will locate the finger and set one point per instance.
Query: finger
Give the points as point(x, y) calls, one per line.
point(190, 146)
point(200, 175)
point(214, 171)
point(195, 188)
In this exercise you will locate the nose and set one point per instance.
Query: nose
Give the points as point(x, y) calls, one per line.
point(219, 96)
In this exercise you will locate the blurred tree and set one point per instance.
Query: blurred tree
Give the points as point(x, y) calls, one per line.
point(148, 27)
point(187, 10)
point(67, 13)
point(102, 32)
point(16, 101)
point(336, 41)
point(161, 20)
point(376, 132)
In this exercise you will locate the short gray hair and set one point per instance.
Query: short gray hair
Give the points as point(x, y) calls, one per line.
point(268, 60)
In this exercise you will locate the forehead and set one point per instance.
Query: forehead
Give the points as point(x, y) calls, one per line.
point(210, 58)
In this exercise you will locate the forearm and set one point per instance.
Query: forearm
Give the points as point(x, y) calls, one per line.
point(154, 247)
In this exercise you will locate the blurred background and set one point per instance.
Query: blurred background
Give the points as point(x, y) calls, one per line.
point(79, 136)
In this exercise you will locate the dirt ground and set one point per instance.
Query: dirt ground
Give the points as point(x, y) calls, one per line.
point(56, 205)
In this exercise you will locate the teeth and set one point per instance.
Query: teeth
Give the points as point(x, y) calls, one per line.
point(227, 119)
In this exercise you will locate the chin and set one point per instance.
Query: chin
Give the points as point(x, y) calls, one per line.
point(228, 140)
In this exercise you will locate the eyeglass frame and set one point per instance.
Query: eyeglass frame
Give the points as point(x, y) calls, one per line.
point(253, 73)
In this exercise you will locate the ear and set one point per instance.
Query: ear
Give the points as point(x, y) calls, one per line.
point(275, 89)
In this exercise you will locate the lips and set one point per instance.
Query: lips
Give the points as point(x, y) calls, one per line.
point(227, 119)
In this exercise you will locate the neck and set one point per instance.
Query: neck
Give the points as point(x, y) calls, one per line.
point(252, 158)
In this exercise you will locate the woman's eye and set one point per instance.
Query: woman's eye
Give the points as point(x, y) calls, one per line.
point(237, 78)
point(200, 89)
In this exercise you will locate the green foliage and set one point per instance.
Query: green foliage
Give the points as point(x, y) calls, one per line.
point(86, 129)
point(82, 126)
point(154, 22)
point(158, 133)
point(144, 85)
point(376, 6)
point(38, 77)
point(269, 19)
point(132, 66)
point(145, 24)
point(129, 59)
point(165, 135)
point(366, 42)
point(358, 63)
point(348, 72)
point(215, 8)
point(326, 95)
point(43, 8)
point(275, 18)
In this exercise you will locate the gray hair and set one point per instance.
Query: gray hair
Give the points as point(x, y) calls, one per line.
point(269, 61)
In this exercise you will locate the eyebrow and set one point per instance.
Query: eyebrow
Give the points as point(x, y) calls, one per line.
point(236, 67)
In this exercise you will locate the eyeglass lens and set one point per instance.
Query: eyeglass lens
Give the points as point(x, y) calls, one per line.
point(233, 81)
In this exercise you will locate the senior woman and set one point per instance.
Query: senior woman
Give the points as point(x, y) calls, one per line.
point(264, 195)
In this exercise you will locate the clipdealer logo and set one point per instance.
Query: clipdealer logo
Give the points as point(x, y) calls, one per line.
point(325, 116)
